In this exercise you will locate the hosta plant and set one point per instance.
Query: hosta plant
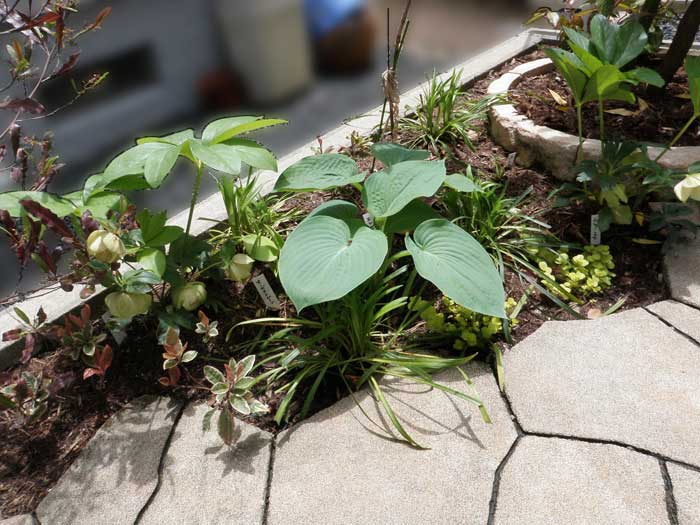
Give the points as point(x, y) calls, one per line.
point(344, 268)
point(333, 251)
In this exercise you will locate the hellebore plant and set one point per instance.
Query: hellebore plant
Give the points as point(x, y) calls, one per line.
point(593, 69)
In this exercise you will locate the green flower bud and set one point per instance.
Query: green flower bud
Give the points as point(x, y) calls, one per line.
point(190, 296)
point(124, 305)
point(240, 268)
point(105, 246)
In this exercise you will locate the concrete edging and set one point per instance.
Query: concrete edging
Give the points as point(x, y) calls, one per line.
point(56, 302)
point(555, 150)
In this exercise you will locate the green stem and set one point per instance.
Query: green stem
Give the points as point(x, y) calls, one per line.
point(195, 195)
point(579, 118)
point(601, 118)
point(677, 137)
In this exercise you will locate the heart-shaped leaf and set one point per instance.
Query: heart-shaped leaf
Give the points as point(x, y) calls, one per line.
point(408, 219)
point(388, 192)
point(390, 154)
point(320, 172)
point(325, 258)
point(458, 265)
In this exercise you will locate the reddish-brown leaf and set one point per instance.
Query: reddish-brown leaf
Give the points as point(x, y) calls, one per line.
point(28, 105)
point(31, 23)
point(67, 66)
point(12, 335)
point(49, 218)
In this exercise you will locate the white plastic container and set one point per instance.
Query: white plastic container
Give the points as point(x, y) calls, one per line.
point(267, 43)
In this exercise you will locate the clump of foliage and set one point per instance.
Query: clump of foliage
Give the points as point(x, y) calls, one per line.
point(444, 117)
point(584, 274)
point(232, 393)
point(345, 268)
point(470, 330)
point(596, 68)
point(618, 184)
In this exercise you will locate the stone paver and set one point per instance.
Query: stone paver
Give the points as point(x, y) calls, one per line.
point(22, 519)
point(204, 481)
point(682, 265)
point(627, 378)
point(686, 490)
point(336, 467)
point(680, 316)
point(117, 472)
point(550, 480)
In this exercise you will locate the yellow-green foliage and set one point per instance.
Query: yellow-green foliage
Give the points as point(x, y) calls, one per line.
point(470, 329)
point(584, 274)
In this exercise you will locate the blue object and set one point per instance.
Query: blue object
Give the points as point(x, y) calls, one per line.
point(323, 16)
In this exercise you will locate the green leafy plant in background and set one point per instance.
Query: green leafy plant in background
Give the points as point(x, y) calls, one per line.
point(444, 117)
point(593, 69)
point(343, 268)
point(618, 184)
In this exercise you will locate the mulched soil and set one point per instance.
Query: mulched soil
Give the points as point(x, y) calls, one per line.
point(33, 457)
point(666, 114)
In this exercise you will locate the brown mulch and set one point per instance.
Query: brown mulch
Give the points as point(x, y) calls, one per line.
point(665, 116)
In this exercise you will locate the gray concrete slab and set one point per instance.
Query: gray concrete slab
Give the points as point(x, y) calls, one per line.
point(336, 467)
point(682, 317)
point(550, 480)
point(627, 378)
point(117, 471)
point(686, 490)
point(682, 266)
point(204, 481)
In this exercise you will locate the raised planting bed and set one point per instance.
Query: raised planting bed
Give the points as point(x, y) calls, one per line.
point(540, 131)
point(377, 306)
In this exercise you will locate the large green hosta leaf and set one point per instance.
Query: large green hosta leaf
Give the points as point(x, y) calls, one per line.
point(320, 172)
point(458, 265)
point(390, 154)
point(388, 192)
point(325, 258)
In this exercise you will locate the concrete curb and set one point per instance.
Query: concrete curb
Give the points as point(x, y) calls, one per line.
point(555, 150)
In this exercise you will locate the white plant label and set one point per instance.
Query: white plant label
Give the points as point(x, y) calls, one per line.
point(369, 220)
point(596, 235)
point(263, 287)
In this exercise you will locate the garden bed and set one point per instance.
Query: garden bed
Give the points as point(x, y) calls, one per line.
point(48, 447)
point(517, 201)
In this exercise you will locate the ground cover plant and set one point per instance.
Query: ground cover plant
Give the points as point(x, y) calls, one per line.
point(377, 261)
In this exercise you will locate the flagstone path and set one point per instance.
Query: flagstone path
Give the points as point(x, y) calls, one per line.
point(600, 423)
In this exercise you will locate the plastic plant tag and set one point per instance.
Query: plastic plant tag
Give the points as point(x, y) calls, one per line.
point(266, 292)
point(596, 235)
point(369, 220)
